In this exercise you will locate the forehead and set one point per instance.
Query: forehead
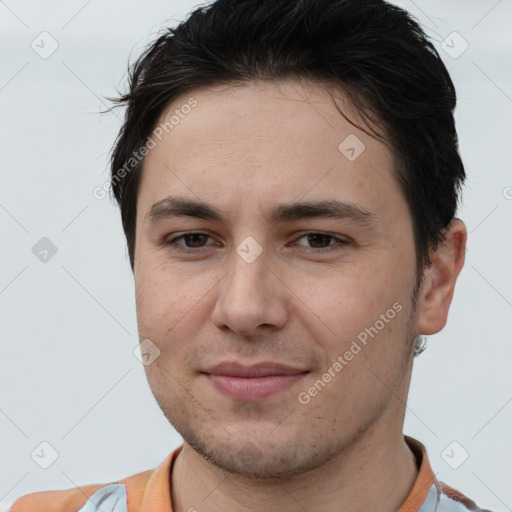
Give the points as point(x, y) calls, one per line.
point(265, 142)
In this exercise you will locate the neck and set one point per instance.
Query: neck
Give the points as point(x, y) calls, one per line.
point(372, 475)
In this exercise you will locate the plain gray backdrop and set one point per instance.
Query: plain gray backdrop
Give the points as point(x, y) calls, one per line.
point(69, 376)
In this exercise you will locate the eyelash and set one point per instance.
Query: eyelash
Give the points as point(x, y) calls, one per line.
point(338, 245)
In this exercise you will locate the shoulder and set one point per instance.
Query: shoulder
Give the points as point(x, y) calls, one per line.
point(451, 500)
point(111, 496)
point(431, 495)
point(149, 489)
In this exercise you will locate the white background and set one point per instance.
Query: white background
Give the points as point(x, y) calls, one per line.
point(68, 326)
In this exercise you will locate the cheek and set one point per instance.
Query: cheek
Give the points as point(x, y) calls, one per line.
point(171, 309)
point(346, 299)
point(358, 304)
point(163, 297)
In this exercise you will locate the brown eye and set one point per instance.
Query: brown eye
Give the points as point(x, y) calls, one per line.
point(322, 242)
point(192, 240)
point(195, 239)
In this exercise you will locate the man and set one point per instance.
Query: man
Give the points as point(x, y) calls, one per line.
point(288, 176)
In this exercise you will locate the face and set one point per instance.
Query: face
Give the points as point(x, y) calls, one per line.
point(251, 276)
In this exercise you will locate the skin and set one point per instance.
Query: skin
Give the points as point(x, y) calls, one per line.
point(245, 149)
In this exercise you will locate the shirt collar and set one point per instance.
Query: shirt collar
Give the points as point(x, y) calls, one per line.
point(424, 480)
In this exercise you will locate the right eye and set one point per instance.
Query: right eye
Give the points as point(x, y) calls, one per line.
point(193, 240)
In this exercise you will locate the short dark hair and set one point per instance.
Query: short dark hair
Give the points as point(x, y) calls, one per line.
point(371, 50)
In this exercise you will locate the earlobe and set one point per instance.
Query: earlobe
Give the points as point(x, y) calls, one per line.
point(439, 279)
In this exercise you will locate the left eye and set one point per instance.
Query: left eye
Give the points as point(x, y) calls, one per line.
point(321, 238)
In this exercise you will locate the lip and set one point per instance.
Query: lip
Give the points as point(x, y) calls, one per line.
point(255, 382)
point(263, 369)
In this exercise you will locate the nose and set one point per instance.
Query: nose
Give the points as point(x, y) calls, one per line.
point(251, 296)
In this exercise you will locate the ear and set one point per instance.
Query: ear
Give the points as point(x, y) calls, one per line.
point(436, 292)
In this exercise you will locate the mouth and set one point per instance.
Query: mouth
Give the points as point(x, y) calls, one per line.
point(255, 382)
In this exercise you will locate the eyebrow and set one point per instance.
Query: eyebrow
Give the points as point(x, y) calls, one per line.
point(172, 206)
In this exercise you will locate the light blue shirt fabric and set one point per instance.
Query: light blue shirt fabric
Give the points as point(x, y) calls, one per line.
point(112, 498)
point(430, 503)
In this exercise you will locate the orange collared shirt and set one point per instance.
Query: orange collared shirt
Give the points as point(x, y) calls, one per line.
point(149, 491)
